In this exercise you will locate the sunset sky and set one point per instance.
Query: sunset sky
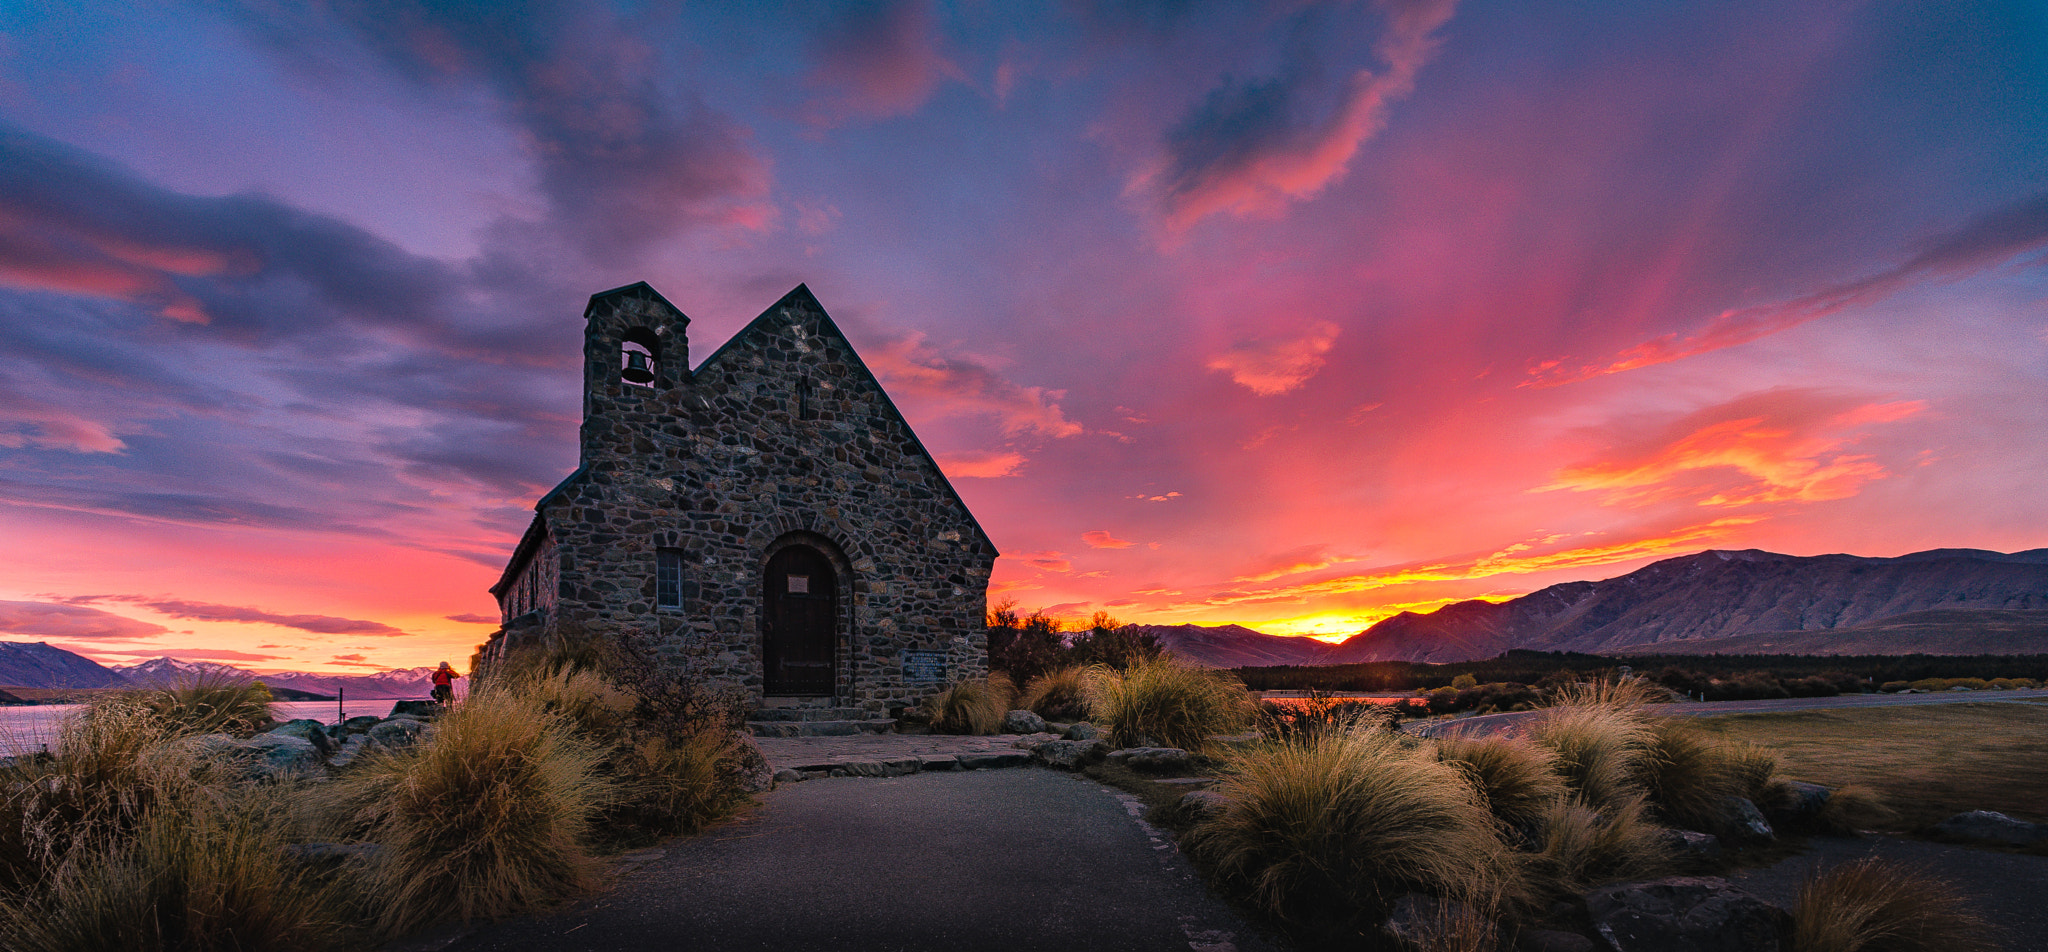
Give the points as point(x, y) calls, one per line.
point(1293, 315)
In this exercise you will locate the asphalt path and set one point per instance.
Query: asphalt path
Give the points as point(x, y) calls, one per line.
point(1493, 723)
point(1022, 859)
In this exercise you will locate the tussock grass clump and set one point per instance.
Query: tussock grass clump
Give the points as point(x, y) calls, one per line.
point(1512, 775)
point(1058, 695)
point(1871, 905)
point(1344, 823)
point(209, 706)
point(1623, 694)
point(671, 785)
point(199, 878)
point(1598, 750)
point(487, 816)
point(1854, 808)
point(1577, 846)
point(1166, 701)
point(1755, 771)
point(1689, 773)
point(971, 707)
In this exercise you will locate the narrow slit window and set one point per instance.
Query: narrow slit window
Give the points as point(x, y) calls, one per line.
point(668, 578)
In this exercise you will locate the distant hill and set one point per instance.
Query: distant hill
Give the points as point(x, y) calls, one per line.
point(37, 665)
point(1685, 604)
point(1232, 646)
point(7, 698)
point(1945, 631)
point(44, 668)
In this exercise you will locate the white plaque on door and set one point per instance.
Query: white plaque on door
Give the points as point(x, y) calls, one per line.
point(799, 584)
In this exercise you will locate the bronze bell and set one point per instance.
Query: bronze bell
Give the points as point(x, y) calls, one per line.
point(637, 370)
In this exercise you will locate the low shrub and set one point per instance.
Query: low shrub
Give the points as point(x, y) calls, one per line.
point(488, 815)
point(970, 707)
point(1597, 748)
point(1058, 695)
point(1166, 701)
point(1342, 824)
point(1577, 847)
point(1871, 905)
point(1513, 776)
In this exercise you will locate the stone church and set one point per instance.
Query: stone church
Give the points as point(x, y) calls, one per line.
point(768, 516)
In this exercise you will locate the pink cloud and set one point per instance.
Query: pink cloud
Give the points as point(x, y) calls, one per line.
point(1243, 152)
point(39, 619)
point(1101, 539)
point(947, 386)
point(990, 465)
point(1274, 366)
point(878, 60)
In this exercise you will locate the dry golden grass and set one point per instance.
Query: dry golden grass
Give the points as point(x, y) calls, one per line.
point(1577, 847)
point(1597, 749)
point(971, 707)
point(1058, 695)
point(1871, 905)
point(1166, 701)
point(1688, 773)
point(1342, 824)
point(1927, 762)
point(488, 816)
point(1512, 774)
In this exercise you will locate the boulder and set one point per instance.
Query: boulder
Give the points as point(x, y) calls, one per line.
point(309, 730)
point(1153, 759)
point(420, 709)
point(302, 728)
point(1743, 823)
point(1800, 805)
point(1690, 845)
point(1199, 805)
point(1986, 826)
point(1685, 914)
point(397, 733)
point(789, 775)
point(348, 750)
point(1023, 722)
point(1553, 940)
point(361, 723)
point(755, 776)
point(262, 757)
point(1069, 754)
point(1082, 731)
point(1031, 741)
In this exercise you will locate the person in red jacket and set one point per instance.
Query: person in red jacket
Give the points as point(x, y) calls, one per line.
point(444, 684)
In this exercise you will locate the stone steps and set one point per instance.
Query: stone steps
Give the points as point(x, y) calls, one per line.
point(817, 721)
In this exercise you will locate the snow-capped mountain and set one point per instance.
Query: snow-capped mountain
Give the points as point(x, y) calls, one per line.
point(400, 683)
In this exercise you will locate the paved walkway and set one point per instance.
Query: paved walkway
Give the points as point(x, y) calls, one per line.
point(1489, 723)
point(1011, 860)
point(814, 754)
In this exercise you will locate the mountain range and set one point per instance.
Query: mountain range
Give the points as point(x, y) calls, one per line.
point(1942, 601)
point(38, 665)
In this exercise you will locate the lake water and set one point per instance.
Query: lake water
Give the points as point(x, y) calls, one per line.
point(26, 728)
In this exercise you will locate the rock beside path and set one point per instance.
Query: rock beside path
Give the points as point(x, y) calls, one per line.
point(1987, 826)
point(1686, 914)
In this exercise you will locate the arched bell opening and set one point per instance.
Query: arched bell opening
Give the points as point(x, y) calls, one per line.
point(639, 357)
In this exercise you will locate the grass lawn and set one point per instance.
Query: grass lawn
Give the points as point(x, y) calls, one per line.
point(1929, 762)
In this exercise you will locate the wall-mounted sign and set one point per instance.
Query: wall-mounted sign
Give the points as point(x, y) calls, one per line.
point(921, 665)
point(799, 584)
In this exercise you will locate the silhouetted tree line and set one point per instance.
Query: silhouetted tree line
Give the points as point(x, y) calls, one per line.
point(1790, 673)
point(1026, 646)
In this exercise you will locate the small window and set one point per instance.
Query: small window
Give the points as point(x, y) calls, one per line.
point(668, 578)
point(799, 585)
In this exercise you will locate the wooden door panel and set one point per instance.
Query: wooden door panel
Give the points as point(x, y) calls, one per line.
point(800, 622)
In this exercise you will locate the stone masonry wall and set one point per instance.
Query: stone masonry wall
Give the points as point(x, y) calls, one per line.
point(782, 437)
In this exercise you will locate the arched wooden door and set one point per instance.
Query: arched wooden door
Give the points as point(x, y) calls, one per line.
point(800, 623)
